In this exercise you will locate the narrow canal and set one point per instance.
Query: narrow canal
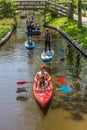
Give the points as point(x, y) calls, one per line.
point(66, 111)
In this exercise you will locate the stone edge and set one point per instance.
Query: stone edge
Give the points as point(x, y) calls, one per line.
point(71, 40)
point(5, 39)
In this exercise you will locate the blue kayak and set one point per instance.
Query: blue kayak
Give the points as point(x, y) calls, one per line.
point(30, 45)
point(47, 56)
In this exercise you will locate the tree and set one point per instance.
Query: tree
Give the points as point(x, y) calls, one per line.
point(71, 8)
point(79, 14)
point(7, 9)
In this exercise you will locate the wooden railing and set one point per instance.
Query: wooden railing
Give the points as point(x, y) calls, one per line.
point(41, 5)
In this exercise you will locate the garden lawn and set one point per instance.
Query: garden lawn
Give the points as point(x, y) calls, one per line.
point(71, 28)
point(6, 25)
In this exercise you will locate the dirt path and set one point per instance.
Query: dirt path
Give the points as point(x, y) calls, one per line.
point(84, 19)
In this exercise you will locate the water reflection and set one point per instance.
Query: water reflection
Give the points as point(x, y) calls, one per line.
point(18, 64)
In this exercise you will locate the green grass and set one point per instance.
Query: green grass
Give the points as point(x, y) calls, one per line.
point(6, 25)
point(71, 28)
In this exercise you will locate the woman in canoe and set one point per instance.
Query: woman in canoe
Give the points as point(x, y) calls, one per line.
point(42, 79)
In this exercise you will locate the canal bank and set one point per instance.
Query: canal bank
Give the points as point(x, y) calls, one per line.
point(6, 38)
point(70, 39)
point(63, 33)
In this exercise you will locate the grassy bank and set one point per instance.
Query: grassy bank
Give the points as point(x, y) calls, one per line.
point(6, 25)
point(70, 27)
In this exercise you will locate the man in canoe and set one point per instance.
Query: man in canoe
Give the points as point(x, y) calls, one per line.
point(42, 79)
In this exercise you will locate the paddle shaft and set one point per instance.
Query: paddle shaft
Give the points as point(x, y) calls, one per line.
point(23, 82)
point(66, 89)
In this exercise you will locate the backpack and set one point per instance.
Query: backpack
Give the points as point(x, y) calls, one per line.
point(47, 36)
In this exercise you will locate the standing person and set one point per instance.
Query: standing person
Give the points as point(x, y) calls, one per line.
point(47, 40)
point(32, 18)
point(29, 32)
point(42, 78)
point(36, 27)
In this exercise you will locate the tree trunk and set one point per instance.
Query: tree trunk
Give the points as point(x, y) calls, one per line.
point(79, 14)
point(70, 11)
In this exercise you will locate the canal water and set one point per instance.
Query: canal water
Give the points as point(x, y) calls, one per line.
point(20, 111)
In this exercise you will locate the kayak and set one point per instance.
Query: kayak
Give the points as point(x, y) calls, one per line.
point(29, 46)
point(36, 32)
point(46, 56)
point(43, 96)
point(23, 15)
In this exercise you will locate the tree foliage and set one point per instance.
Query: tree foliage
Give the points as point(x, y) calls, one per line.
point(7, 9)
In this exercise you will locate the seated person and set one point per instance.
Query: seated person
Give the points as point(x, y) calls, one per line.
point(42, 78)
point(36, 27)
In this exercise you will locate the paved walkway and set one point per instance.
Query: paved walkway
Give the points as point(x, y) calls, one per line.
point(84, 19)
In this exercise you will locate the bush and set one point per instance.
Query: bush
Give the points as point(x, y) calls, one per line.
point(7, 9)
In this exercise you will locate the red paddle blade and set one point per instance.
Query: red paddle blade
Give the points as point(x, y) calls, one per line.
point(61, 79)
point(21, 82)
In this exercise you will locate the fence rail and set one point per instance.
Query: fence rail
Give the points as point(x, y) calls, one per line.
point(41, 5)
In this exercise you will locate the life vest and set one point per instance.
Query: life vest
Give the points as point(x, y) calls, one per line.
point(29, 28)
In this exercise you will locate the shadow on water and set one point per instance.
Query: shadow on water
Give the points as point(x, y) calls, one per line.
point(22, 96)
point(76, 116)
point(45, 109)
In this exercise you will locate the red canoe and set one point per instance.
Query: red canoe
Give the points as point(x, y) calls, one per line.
point(44, 96)
point(23, 15)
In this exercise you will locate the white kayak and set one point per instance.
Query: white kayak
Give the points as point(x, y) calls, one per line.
point(47, 56)
point(29, 45)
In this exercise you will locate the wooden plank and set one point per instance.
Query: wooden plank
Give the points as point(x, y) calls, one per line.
point(41, 4)
point(29, 0)
point(30, 8)
point(28, 5)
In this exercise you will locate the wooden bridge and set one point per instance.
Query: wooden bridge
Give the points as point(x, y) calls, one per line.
point(42, 6)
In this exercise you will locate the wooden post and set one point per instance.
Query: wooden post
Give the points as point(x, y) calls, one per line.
point(45, 14)
point(70, 10)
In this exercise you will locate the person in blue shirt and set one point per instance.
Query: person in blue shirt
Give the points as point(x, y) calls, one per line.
point(36, 26)
point(29, 32)
point(32, 18)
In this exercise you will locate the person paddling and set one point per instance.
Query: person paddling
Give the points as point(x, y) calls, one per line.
point(42, 79)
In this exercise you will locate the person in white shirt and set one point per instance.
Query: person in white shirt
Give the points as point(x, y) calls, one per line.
point(42, 78)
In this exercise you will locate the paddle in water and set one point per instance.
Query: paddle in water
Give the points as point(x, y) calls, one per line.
point(24, 82)
point(21, 90)
point(62, 50)
point(66, 89)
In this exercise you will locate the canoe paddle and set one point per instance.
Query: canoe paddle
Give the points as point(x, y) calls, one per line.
point(24, 90)
point(61, 80)
point(66, 89)
point(24, 82)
